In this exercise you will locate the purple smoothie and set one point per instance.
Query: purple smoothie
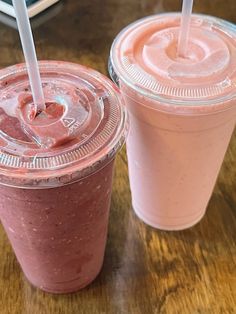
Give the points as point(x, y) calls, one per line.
point(55, 199)
point(59, 234)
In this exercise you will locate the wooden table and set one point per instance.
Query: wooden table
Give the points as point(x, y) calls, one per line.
point(145, 270)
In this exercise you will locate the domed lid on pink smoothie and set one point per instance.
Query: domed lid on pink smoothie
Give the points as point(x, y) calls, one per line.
point(82, 128)
point(144, 59)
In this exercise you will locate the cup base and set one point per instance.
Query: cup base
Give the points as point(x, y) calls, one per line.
point(156, 222)
point(73, 289)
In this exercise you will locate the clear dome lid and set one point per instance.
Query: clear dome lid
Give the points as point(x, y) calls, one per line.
point(87, 125)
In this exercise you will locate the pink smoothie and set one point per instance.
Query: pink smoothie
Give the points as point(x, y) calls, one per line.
point(182, 114)
point(56, 171)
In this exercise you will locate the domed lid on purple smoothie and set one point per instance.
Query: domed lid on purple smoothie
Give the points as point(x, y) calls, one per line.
point(144, 58)
point(82, 128)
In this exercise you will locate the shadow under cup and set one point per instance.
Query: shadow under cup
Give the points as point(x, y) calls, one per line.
point(182, 113)
point(55, 202)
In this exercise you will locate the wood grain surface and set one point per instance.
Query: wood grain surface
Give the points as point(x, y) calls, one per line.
point(145, 271)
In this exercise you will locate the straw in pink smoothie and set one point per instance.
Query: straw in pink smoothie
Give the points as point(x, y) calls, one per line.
point(185, 28)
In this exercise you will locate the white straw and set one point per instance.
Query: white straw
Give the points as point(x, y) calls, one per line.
point(185, 27)
point(29, 52)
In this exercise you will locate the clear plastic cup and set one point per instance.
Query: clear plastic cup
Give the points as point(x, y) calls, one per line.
point(182, 113)
point(55, 201)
